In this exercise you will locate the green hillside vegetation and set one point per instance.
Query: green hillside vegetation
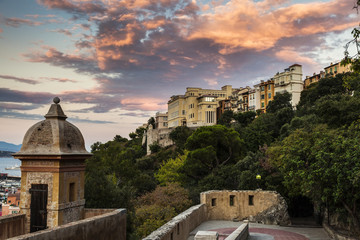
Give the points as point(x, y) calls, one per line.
point(312, 152)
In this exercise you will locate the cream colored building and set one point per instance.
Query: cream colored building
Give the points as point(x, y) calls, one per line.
point(197, 107)
point(161, 120)
point(290, 81)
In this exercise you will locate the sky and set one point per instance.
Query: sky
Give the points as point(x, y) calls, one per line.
point(115, 63)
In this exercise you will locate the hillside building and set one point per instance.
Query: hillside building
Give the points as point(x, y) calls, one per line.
point(161, 120)
point(197, 107)
point(331, 70)
point(290, 80)
point(313, 79)
point(266, 90)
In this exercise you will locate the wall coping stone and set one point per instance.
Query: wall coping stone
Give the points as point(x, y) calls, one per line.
point(11, 217)
point(241, 233)
point(121, 211)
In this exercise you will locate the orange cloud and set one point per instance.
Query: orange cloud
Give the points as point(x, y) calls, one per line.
point(246, 24)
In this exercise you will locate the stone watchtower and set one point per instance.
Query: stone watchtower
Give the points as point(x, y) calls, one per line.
point(52, 172)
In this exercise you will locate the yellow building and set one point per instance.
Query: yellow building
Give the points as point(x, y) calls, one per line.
point(335, 68)
point(266, 90)
point(331, 70)
point(197, 107)
point(313, 79)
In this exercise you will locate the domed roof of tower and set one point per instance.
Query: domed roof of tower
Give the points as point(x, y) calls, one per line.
point(53, 136)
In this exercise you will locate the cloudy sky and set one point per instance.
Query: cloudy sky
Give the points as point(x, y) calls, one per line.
point(114, 63)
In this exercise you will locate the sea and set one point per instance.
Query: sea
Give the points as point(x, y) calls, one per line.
point(10, 162)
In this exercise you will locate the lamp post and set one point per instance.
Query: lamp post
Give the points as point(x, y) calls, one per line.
point(258, 179)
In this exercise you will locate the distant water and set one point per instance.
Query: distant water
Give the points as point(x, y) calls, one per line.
point(10, 162)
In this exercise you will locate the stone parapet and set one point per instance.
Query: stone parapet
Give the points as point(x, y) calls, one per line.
point(180, 226)
point(109, 226)
point(12, 226)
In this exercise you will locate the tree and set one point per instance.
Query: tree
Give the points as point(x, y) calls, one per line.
point(323, 165)
point(179, 136)
point(281, 100)
point(169, 171)
point(154, 209)
point(151, 122)
point(226, 118)
point(244, 118)
point(211, 147)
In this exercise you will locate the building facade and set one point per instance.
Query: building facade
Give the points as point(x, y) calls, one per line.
point(198, 107)
point(161, 120)
point(313, 79)
point(266, 90)
point(290, 80)
point(335, 68)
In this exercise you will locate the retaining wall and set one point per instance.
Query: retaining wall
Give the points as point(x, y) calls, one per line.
point(180, 226)
point(12, 225)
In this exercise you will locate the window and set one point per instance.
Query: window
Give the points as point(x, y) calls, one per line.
point(251, 200)
point(232, 197)
point(262, 96)
point(183, 112)
point(209, 116)
point(71, 192)
point(269, 87)
point(262, 105)
point(213, 202)
point(269, 95)
point(262, 88)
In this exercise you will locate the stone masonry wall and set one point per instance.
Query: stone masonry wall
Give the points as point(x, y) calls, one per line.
point(109, 226)
point(259, 206)
point(162, 136)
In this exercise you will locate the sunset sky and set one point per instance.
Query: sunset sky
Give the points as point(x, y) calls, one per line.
point(115, 63)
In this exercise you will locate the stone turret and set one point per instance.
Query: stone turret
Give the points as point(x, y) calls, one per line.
point(52, 172)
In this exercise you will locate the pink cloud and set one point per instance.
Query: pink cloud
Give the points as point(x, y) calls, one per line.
point(145, 104)
point(290, 54)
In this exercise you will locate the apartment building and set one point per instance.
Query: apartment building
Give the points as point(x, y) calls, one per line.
point(266, 90)
point(254, 99)
point(290, 80)
point(332, 69)
point(335, 68)
point(242, 96)
point(197, 107)
point(314, 78)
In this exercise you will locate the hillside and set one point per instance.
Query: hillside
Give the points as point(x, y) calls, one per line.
point(9, 147)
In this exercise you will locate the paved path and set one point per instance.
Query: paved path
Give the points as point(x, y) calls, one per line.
point(263, 232)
